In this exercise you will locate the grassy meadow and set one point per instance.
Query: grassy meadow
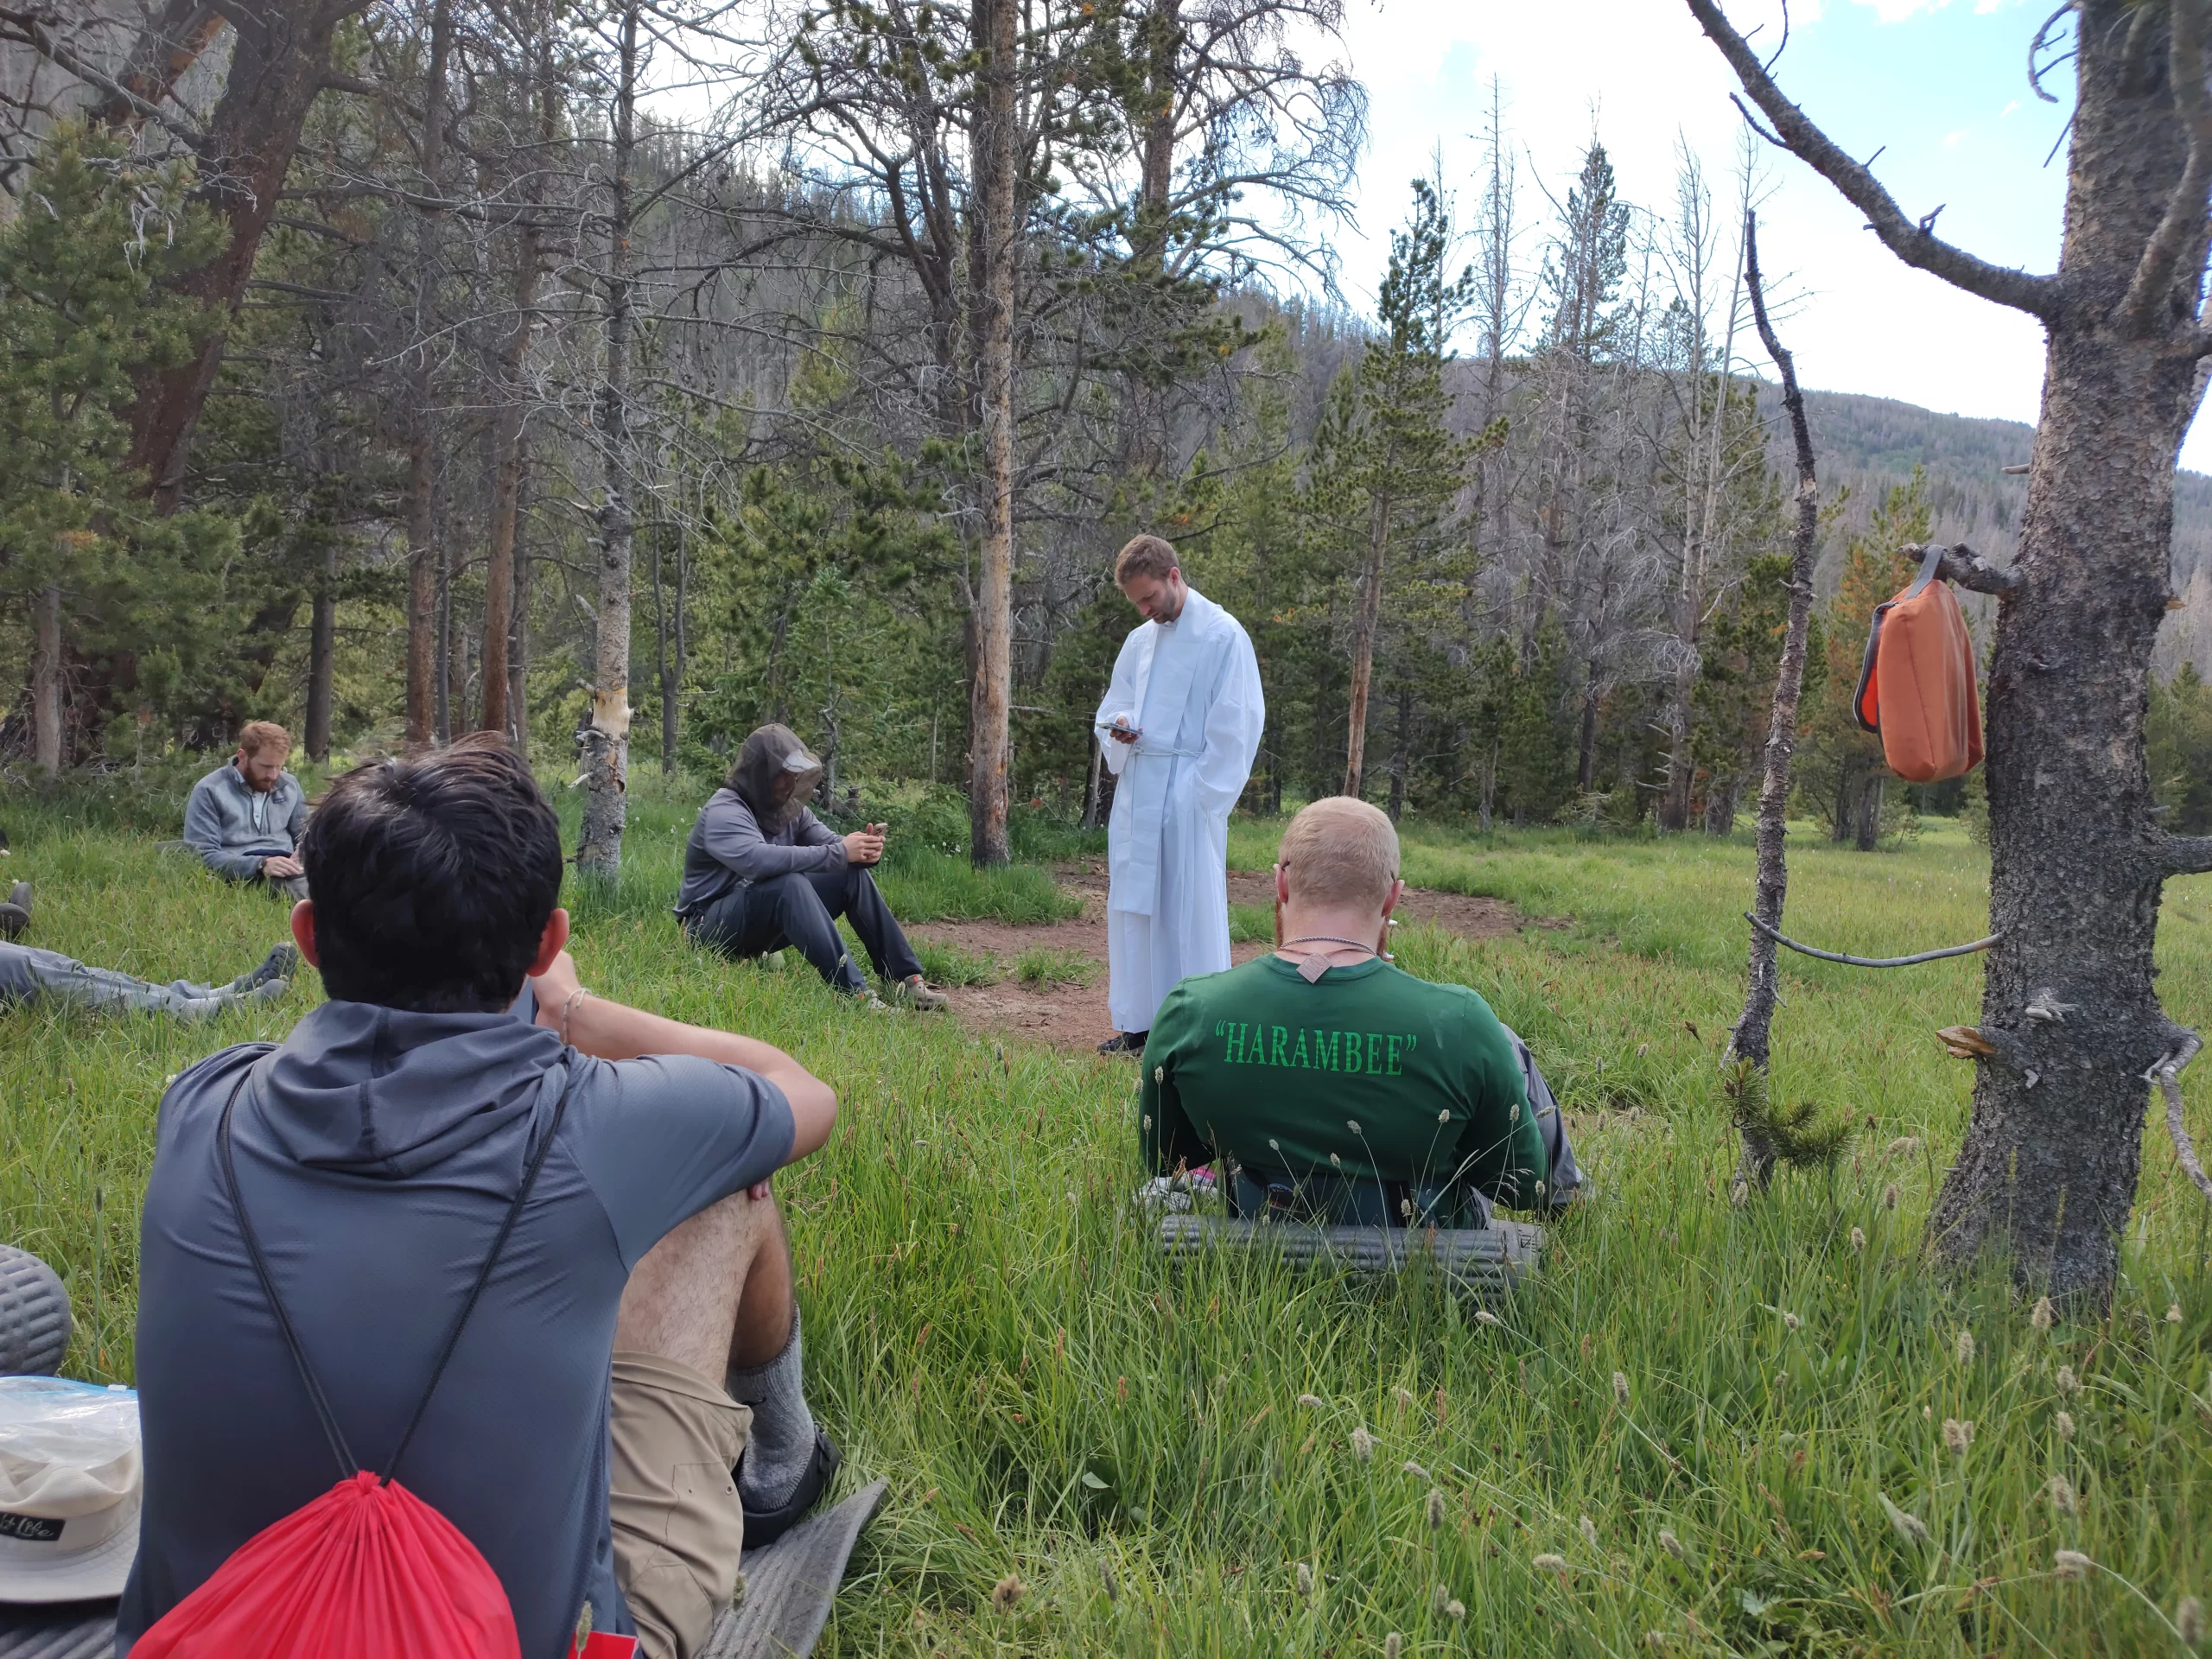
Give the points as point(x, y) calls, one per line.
point(1703, 1430)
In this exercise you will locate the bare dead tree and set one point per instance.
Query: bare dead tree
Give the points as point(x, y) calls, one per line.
point(2070, 1016)
point(1749, 1038)
point(998, 234)
point(606, 740)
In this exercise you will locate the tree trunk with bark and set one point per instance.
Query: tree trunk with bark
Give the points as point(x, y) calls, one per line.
point(427, 712)
point(1750, 1037)
point(1366, 623)
point(323, 653)
point(998, 242)
point(508, 427)
point(46, 680)
point(280, 59)
point(2047, 1174)
point(606, 741)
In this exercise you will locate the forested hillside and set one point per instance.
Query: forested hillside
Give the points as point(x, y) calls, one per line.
point(618, 379)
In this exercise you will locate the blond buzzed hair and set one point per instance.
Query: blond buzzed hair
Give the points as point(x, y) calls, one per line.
point(258, 735)
point(1145, 556)
point(1341, 851)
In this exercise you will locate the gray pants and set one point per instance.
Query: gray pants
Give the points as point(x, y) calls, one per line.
point(27, 974)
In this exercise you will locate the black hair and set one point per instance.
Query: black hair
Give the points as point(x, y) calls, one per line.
point(432, 877)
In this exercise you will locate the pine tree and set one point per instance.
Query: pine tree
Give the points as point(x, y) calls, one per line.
point(83, 311)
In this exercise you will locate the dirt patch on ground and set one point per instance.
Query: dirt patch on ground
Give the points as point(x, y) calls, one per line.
point(1072, 1016)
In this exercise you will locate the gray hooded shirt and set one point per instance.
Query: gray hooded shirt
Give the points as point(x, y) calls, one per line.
point(378, 1151)
point(233, 826)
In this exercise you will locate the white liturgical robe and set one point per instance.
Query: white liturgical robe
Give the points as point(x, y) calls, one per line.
point(1192, 687)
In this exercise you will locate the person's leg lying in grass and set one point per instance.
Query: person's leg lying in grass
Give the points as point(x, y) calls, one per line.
point(379, 1149)
point(31, 976)
point(760, 871)
point(1336, 1087)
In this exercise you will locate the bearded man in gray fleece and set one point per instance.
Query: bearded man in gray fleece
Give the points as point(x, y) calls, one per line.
point(761, 872)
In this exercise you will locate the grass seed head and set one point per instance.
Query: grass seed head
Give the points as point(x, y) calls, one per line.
point(1362, 1444)
point(2064, 1424)
point(1890, 1195)
point(1549, 1563)
point(1962, 1350)
point(1790, 1321)
point(1435, 1509)
point(2070, 1565)
point(1415, 1470)
point(1439, 1597)
point(1405, 1399)
point(1455, 1608)
point(2043, 1315)
point(1113, 1584)
point(1620, 1388)
point(1311, 1401)
point(1393, 1645)
point(1671, 1544)
point(2173, 1312)
point(1957, 1435)
point(1484, 1316)
point(2066, 1382)
point(2189, 1620)
point(1305, 1580)
point(2064, 1497)
point(1910, 1527)
point(1858, 1242)
point(1902, 1145)
point(1006, 1591)
point(1588, 1529)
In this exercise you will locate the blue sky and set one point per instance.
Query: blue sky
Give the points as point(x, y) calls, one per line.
point(1941, 83)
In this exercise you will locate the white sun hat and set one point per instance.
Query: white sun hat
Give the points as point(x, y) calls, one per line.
point(69, 1488)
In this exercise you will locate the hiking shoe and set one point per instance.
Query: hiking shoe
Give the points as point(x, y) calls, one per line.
point(763, 1527)
point(16, 914)
point(279, 964)
point(913, 991)
point(1127, 1042)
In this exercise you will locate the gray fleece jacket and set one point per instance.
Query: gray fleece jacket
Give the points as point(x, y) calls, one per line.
point(234, 828)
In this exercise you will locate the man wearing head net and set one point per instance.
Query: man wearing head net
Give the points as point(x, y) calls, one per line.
point(761, 872)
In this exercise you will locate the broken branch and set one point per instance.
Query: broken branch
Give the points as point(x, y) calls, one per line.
point(2153, 286)
point(2167, 1075)
point(1871, 962)
point(1962, 565)
point(2185, 855)
point(2023, 290)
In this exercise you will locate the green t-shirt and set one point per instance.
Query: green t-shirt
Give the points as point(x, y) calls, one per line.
point(1368, 1073)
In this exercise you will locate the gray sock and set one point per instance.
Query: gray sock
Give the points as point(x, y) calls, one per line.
point(782, 1442)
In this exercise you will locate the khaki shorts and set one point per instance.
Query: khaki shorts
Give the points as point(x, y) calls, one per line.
point(678, 1526)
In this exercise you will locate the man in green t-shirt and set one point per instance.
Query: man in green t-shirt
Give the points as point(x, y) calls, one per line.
point(1337, 1087)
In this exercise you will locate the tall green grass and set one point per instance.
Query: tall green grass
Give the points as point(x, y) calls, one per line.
point(990, 1324)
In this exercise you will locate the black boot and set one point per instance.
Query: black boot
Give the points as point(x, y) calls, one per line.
point(16, 914)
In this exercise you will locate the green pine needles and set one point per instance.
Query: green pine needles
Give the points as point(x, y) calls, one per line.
point(1800, 1135)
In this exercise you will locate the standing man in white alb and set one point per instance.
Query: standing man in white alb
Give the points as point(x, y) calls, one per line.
point(1179, 725)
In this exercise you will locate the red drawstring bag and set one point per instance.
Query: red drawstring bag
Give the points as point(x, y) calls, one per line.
point(368, 1570)
point(1916, 686)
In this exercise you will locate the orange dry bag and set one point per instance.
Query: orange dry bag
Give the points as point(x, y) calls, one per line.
point(1916, 687)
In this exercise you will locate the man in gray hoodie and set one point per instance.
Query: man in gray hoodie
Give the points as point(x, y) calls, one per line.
point(244, 817)
point(761, 872)
point(637, 1337)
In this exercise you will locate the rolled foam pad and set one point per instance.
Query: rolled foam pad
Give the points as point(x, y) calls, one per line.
point(790, 1584)
point(34, 1315)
